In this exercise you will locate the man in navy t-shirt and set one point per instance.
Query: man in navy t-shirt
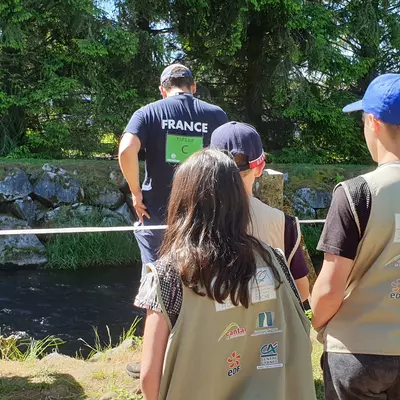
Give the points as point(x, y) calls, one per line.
point(168, 131)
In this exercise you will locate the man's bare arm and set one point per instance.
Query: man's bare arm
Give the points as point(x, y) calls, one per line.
point(129, 164)
point(329, 289)
point(303, 286)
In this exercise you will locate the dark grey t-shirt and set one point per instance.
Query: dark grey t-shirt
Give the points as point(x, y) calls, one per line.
point(340, 235)
point(178, 115)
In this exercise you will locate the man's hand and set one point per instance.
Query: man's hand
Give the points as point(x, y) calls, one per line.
point(129, 163)
point(140, 208)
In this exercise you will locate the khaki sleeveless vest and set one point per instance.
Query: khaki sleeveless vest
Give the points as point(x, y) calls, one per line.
point(221, 352)
point(268, 225)
point(368, 322)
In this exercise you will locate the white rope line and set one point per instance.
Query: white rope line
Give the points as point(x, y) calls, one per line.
point(312, 221)
point(46, 231)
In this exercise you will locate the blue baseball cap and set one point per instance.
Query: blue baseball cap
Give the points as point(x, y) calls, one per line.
point(239, 138)
point(381, 99)
point(175, 71)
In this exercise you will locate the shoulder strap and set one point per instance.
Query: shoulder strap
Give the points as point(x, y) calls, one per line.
point(298, 240)
point(352, 206)
point(287, 274)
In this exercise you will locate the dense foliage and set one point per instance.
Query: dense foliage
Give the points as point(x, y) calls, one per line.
point(73, 71)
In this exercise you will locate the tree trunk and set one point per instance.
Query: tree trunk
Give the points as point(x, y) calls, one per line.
point(254, 74)
point(369, 49)
point(13, 122)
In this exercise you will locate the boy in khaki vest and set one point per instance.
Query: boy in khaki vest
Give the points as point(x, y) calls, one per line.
point(268, 224)
point(356, 298)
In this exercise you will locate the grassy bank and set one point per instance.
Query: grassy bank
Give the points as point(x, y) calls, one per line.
point(74, 251)
point(81, 250)
point(65, 378)
point(319, 177)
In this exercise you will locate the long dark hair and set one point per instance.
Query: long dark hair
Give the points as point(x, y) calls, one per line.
point(207, 239)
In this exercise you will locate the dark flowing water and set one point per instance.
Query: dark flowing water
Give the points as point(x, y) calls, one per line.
point(68, 304)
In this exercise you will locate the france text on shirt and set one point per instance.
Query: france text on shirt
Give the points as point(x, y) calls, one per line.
point(201, 127)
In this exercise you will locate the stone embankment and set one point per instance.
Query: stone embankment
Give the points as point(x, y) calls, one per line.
point(53, 197)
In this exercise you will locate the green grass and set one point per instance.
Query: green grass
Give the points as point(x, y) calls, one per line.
point(98, 347)
point(14, 349)
point(73, 251)
point(311, 234)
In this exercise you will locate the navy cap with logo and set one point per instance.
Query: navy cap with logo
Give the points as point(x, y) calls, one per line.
point(381, 99)
point(239, 138)
point(175, 71)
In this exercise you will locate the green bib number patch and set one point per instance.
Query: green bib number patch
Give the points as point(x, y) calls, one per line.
point(179, 148)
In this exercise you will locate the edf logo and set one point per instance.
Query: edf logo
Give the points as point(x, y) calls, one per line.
point(234, 364)
point(395, 290)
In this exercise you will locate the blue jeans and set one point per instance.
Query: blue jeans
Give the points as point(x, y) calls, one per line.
point(361, 376)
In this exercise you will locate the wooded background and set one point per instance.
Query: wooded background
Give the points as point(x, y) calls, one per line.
point(73, 71)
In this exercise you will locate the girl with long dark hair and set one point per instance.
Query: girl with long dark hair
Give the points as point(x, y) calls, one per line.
point(224, 318)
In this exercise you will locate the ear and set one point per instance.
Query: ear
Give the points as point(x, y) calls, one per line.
point(163, 91)
point(374, 123)
point(259, 170)
point(194, 88)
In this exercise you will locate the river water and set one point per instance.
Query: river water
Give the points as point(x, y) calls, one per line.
point(68, 304)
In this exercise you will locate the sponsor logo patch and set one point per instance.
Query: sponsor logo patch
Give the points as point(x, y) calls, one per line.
point(234, 364)
point(265, 324)
point(233, 331)
point(262, 289)
point(395, 290)
point(395, 262)
point(269, 356)
point(397, 229)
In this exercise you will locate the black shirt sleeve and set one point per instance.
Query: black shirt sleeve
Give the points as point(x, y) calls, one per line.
point(138, 125)
point(341, 235)
point(298, 265)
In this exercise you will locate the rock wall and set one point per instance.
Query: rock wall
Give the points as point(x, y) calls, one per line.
point(269, 189)
point(50, 198)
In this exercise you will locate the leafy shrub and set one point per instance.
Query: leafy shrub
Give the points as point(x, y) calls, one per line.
point(311, 234)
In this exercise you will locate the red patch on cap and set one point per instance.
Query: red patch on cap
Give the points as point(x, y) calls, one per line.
point(257, 162)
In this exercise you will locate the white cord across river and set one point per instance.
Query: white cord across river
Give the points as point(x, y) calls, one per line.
point(94, 229)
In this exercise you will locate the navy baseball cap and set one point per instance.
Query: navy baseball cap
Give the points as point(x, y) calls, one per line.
point(175, 71)
point(239, 138)
point(381, 99)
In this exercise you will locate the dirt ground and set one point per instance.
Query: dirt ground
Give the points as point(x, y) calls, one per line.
point(57, 377)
